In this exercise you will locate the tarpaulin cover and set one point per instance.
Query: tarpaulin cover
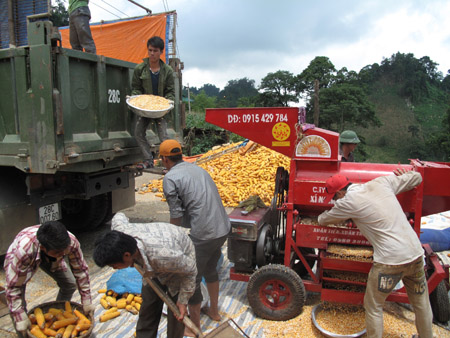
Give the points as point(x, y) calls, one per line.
point(125, 280)
point(125, 40)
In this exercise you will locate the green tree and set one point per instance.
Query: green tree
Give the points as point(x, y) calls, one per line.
point(346, 76)
point(438, 144)
point(343, 106)
point(247, 102)
point(210, 90)
point(60, 15)
point(413, 75)
point(321, 69)
point(202, 101)
point(235, 89)
point(279, 87)
point(446, 82)
point(369, 74)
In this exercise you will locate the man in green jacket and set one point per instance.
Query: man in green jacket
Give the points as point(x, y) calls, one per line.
point(152, 77)
point(80, 31)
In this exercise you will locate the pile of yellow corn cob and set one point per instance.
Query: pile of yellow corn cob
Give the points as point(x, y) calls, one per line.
point(112, 303)
point(59, 323)
point(238, 175)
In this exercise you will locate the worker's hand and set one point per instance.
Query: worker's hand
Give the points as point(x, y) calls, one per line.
point(183, 311)
point(89, 309)
point(400, 171)
point(171, 102)
point(23, 326)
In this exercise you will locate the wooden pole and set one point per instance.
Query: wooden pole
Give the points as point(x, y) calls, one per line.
point(316, 103)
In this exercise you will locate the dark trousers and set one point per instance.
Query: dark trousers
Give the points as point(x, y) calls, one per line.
point(141, 132)
point(150, 315)
point(79, 30)
point(207, 254)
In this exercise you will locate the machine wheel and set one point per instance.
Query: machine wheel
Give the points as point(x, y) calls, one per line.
point(440, 304)
point(276, 292)
point(264, 246)
point(82, 215)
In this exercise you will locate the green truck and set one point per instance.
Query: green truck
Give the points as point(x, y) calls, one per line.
point(67, 149)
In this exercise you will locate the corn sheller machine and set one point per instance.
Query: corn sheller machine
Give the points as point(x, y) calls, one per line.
point(282, 252)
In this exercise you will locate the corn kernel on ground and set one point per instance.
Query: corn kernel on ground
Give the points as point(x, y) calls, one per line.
point(397, 323)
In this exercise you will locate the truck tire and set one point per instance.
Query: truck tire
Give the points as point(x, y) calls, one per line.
point(276, 292)
point(109, 214)
point(440, 304)
point(84, 215)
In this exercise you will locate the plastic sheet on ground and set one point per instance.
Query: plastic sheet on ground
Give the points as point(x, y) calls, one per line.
point(232, 300)
point(125, 280)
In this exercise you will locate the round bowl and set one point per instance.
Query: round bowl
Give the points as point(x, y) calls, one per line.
point(327, 333)
point(61, 305)
point(152, 114)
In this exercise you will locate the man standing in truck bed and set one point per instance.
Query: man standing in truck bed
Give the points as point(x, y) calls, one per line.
point(79, 29)
point(152, 77)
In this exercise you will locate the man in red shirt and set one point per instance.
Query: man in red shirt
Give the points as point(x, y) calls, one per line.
point(44, 246)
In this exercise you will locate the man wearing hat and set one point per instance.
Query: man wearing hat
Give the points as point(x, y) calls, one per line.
point(348, 141)
point(398, 254)
point(194, 202)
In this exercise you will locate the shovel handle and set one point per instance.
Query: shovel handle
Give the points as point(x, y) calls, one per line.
point(170, 304)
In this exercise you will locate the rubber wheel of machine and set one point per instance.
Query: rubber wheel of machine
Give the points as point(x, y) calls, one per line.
point(440, 304)
point(84, 215)
point(276, 292)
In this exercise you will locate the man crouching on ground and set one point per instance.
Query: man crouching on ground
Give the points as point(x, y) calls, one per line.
point(166, 254)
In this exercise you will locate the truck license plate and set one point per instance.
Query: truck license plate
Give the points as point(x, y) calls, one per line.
point(49, 212)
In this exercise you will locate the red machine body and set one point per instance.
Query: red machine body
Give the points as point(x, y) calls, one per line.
point(314, 154)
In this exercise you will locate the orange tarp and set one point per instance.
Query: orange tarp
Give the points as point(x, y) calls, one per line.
point(124, 40)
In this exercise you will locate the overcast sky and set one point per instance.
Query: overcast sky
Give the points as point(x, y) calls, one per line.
point(222, 40)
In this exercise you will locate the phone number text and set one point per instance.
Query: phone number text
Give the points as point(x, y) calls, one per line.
point(257, 118)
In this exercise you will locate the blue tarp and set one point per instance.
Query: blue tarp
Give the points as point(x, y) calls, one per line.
point(125, 280)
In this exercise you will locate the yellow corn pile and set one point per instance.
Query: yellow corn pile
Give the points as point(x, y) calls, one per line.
point(113, 303)
point(353, 253)
point(59, 322)
point(346, 275)
point(240, 176)
point(155, 186)
point(312, 220)
point(396, 325)
point(341, 319)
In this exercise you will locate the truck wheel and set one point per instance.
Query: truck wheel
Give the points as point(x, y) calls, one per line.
point(440, 304)
point(276, 292)
point(83, 215)
point(109, 214)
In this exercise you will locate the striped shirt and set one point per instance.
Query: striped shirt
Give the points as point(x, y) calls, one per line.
point(192, 194)
point(168, 254)
point(22, 261)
